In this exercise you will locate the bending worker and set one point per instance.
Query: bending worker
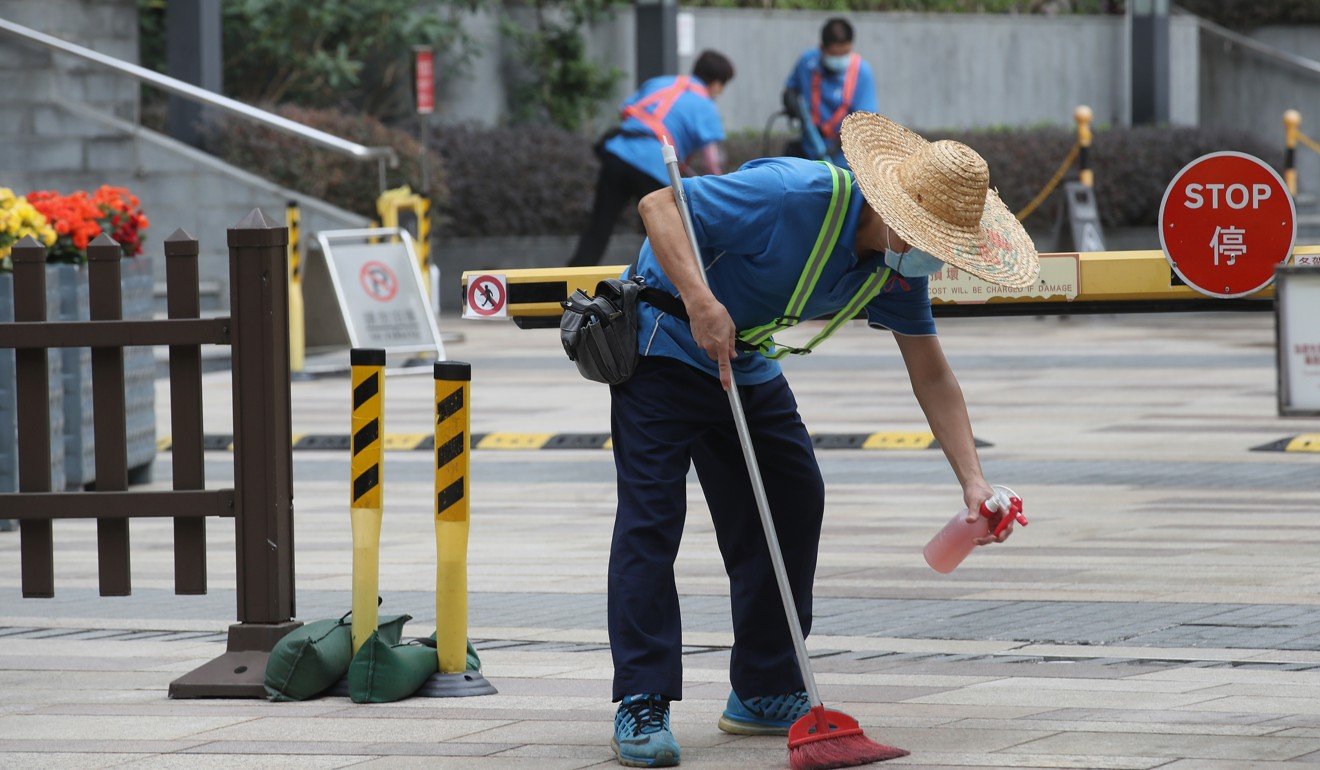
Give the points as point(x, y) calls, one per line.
point(680, 109)
point(785, 239)
point(826, 85)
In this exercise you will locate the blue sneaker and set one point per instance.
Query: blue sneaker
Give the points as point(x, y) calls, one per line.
point(641, 733)
point(764, 715)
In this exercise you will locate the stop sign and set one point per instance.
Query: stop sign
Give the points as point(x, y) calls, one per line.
point(1225, 222)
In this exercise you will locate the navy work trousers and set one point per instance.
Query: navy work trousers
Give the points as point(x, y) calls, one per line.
point(667, 417)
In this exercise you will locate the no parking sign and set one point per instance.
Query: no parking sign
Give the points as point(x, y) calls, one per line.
point(1226, 222)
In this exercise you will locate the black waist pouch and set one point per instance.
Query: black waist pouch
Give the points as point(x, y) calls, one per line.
point(599, 333)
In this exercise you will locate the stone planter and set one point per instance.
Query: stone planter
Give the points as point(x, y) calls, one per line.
point(139, 372)
point(136, 285)
point(70, 284)
point(9, 397)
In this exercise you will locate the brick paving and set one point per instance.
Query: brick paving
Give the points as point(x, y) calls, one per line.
point(1160, 611)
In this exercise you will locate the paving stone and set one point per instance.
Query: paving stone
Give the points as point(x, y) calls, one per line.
point(1185, 746)
point(107, 728)
point(238, 762)
point(58, 760)
point(350, 730)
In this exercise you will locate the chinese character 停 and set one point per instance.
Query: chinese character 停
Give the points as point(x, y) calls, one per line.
point(1228, 242)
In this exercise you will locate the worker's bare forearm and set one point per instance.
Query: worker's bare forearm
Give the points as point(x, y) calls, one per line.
point(941, 399)
point(669, 241)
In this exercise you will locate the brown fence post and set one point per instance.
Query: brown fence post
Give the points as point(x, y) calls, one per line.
point(33, 402)
point(108, 413)
point(263, 460)
point(183, 301)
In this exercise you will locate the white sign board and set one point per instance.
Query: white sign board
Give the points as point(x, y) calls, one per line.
point(1298, 319)
point(686, 28)
point(487, 297)
point(1059, 277)
point(380, 290)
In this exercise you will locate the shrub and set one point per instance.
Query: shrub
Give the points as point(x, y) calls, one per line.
point(516, 181)
point(1132, 165)
point(343, 181)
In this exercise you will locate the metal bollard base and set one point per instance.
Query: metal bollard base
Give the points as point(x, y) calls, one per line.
point(340, 690)
point(463, 685)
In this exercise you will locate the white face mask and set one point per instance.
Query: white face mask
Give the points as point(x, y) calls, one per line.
point(835, 63)
point(913, 263)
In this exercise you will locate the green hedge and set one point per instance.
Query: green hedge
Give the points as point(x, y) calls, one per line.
point(1132, 165)
point(520, 181)
point(346, 182)
point(925, 6)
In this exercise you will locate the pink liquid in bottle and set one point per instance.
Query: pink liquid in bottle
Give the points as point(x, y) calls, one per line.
point(952, 544)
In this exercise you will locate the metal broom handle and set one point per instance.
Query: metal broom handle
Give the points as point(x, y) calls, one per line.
point(749, 454)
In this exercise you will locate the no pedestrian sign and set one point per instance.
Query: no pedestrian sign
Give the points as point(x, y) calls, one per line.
point(487, 297)
point(1226, 221)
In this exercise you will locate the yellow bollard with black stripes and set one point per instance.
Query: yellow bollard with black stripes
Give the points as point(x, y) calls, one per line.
point(453, 383)
point(365, 508)
point(297, 329)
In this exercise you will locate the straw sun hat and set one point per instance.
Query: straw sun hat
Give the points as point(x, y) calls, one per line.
point(937, 196)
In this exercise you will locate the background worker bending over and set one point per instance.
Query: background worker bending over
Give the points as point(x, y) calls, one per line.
point(826, 85)
point(679, 108)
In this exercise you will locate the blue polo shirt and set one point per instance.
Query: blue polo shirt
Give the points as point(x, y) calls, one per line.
point(756, 228)
point(831, 89)
point(693, 122)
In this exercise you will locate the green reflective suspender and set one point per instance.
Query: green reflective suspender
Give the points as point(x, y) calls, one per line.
point(870, 288)
point(820, 254)
point(826, 239)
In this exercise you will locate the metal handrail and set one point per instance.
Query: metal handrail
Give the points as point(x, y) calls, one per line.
point(1301, 63)
point(381, 155)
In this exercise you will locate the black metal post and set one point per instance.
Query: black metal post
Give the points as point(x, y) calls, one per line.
point(1150, 61)
point(656, 38)
point(193, 51)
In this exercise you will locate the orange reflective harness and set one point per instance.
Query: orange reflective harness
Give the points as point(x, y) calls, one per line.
point(663, 101)
point(830, 128)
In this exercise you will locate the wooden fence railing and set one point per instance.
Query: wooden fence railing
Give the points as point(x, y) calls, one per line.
point(261, 502)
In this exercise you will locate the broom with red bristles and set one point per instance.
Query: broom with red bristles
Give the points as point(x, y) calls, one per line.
point(823, 738)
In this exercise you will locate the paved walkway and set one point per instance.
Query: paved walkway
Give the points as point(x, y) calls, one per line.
point(1160, 611)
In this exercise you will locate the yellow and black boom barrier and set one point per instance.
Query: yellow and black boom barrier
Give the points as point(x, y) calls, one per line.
point(365, 508)
point(1107, 282)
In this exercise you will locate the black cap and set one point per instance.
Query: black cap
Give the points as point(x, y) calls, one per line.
point(453, 370)
point(366, 357)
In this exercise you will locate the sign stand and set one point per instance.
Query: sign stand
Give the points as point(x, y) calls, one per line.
point(1297, 340)
point(380, 290)
point(1077, 227)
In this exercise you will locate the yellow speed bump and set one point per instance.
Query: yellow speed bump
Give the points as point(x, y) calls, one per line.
point(899, 440)
point(514, 440)
point(1307, 442)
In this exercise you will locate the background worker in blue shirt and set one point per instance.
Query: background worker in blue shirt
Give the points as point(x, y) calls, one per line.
point(680, 109)
point(828, 84)
point(910, 208)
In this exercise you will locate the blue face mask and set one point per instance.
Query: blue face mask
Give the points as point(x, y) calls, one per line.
point(835, 63)
point(913, 263)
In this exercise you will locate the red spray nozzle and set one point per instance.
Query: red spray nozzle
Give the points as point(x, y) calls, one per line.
point(1000, 520)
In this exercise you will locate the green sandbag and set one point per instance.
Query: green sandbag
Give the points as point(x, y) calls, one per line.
point(383, 672)
point(311, 659)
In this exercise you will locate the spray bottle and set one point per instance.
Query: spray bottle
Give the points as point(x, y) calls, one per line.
point(951, 545)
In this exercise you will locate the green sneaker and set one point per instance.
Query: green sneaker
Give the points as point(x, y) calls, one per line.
point(641, 733)
point(764, 715)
